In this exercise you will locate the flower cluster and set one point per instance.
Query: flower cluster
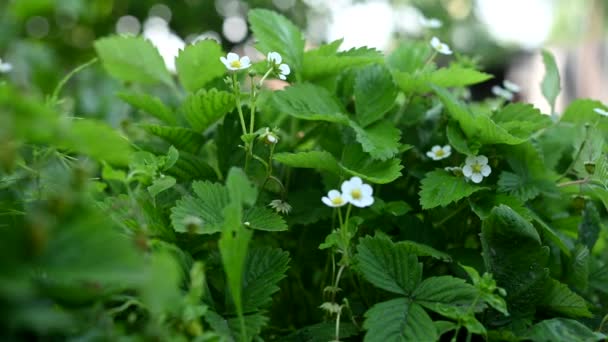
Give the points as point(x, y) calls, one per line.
point(234, 62)
point(508, 92)
point(440, 47)
point(475, 168)
point(354, 191)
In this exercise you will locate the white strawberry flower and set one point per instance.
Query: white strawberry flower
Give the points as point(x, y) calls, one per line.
point(502, 92)
point(232, 61)
point(476, 167)
point(511, 86)
point(440, 47)
point(357, 193)
point(431, 23)
point(334, 199)
point(275, 60)
point(5, 67)
point(439, 152)
point(601, 112)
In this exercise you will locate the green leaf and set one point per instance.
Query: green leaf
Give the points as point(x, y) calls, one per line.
point(151, 105)
point(440, 188)
point(550, 85)
point(240, 188)
point(444, 294)
point(199, 63)
point(206, 205)
point(483, 205)
point(521, 119)
point(409, 56)
point(205, 107)
point(183, 138)
point(562, 330)
point(190, 166)
point(132, 59)
point(229, 328)
point(457, 76)
point(375, 94)
point(309, 102)
point(322, 63)
point(233, 247)
point(477, 127)
point(276, 33)
point(590, 226)
point(513, 253)
point(380, 140)
point(457, 139)
point(261, 218)
point(358, 163)
point(264, 268)
point(559, 299)
point(581, 111)
point(161, 184)
point(398, 320)
point(423, 250)
point(320, 160)
point(97, 140)
point(171, 158)
point(387, 265)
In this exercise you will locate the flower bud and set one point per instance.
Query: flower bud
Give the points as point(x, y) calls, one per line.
point(590, 167)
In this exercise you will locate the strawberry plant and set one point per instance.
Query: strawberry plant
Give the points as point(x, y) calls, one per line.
point(309, 195)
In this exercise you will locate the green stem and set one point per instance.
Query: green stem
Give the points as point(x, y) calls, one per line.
point(338, 325)
point(237, 92)
point(67, 77)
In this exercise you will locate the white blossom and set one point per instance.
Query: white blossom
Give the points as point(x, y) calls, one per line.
point(439, 152)
point(476, 167)
point(233, 62)
point(601, 112)
point(334, 199)
point(511, 86)
point(275, 60)
point(5, 67)
point(440, 47)
point(431, 23)
point(357, 193)
point(502, 92)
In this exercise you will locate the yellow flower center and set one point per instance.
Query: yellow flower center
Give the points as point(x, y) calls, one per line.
point(356, 194)
point(476, 167)
point(440, 153)
point(235, 64)
point(336, 200)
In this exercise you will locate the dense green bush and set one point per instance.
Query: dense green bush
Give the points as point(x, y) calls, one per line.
point(370, 199)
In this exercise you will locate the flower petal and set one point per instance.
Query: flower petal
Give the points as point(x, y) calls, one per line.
point(232, 57)
point(467, 170)
point(481, 159)
point(470, 160)
point(476, 177)
point(284, 68)
point(274, 57)
point(367, 190)
point(356, 181)
point(435, 42)
point(327, 201)
point(435, 148)
point(430, 155)
point(245, 62)
point(333, 194)
point(486, 170)
point(447, 149)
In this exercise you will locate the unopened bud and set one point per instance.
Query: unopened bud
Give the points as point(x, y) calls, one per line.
point(590, 167)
